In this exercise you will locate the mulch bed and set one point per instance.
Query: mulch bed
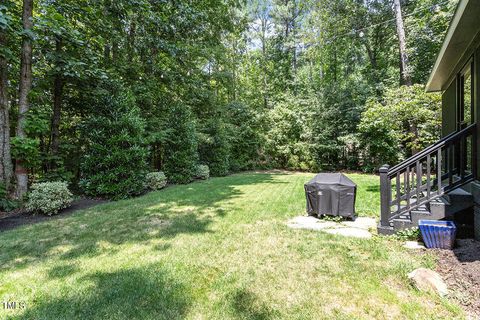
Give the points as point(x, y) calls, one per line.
point(460, 269)
point(12, 220)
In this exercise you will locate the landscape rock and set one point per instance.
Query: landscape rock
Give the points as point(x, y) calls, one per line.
point(413, 245)
point(428, 280)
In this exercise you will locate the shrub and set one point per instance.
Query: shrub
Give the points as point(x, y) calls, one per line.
point(202, 172)
point(155, 180)
point(181, 154)
point(49, 197)
point(116, 154)
point(403, 123)
point(6, 204)
point(214, 148)
point(244, 140)
point(409, 234)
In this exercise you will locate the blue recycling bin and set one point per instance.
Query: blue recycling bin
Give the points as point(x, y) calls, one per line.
point(438, 234)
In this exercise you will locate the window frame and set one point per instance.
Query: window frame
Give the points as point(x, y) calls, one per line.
point(468, 67)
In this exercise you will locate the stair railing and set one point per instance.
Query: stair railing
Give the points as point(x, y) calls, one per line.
point(427, 175)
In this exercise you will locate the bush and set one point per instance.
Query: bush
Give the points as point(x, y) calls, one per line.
point(115, 160)
point(213, 148)
point(49, 197)
point(243, 128)
point(181, 154)
point(403, 123)
point(155, 180)
point(202, 172)
point(6, 204)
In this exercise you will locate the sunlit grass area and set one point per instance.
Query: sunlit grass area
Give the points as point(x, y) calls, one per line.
point(216, 249)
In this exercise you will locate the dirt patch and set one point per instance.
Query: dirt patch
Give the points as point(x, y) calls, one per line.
point(460, 269)
point(12, 220)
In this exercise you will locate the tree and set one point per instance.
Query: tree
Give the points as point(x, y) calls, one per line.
point(25, 86)
point(181, 147)
point(115, 159)
point(386, 126)
point(214, 149)
point(405, 78)
point(6, 167)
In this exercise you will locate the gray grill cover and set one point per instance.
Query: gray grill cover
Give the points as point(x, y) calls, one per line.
point(331, 194)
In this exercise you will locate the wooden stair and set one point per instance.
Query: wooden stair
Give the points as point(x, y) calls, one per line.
point(429, 185)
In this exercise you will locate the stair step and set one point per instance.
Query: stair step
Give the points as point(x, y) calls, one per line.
point(448, 205)
point(400, 224)
point(444, 207)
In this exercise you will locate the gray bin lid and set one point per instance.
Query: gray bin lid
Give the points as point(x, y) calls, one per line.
point(332, 178)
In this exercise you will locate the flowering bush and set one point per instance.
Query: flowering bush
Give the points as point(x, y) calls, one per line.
point(155, 180)
point(202, 172)
point(49, 197)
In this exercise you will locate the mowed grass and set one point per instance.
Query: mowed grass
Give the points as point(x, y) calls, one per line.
point(216, 249)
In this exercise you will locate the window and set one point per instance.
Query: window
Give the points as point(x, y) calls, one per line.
point(466, 98)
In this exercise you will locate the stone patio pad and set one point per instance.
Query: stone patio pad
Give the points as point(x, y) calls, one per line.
point(357, 229)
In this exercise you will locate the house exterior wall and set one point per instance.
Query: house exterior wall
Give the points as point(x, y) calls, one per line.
point(449, 109)
point(450, 96)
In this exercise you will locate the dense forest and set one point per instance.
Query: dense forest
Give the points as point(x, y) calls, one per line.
point(99, 93)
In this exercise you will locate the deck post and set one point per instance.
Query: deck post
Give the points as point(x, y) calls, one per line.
point(385, 196)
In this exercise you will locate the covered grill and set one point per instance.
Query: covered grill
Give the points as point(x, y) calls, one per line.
point(331, 194)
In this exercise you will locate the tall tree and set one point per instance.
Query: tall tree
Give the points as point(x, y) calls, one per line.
point(58, 84)
point(25, 86)
point(6, 167)
point(405, 78)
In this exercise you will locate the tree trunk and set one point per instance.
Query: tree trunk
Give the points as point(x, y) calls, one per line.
point(58, 85)
point(24, 89)
point(6, 166)
point(405, 78)
point(264, 26)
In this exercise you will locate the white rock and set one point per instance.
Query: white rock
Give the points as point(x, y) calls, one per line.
point(428, 280)
point(413, 245)
point(350, 232)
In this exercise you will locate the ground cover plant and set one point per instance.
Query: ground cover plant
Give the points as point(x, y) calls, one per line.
point(212, 249)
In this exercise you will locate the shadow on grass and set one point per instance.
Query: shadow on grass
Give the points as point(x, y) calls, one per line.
point(247, 306)
point(183, 209)
point(375, 188)
point(142, 293)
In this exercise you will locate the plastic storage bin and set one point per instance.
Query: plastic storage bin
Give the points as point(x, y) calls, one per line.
point(438, 234)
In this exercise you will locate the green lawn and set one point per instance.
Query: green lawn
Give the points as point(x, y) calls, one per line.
point(216, 249)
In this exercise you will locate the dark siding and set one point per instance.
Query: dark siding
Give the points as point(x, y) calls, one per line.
point(476, 106)
point(449, 101)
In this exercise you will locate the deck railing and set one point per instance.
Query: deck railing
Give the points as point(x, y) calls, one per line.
point(427, 175)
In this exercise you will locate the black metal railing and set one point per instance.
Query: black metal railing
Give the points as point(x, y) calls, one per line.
point(427, 175)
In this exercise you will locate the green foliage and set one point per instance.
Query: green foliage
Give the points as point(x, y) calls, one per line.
point(234, 85)
point(407, 120)
point(6, 204)
point(48, 197)
point(202, 172)
point(26, 149)
point(333, 218)
point(155, 180)
point(289, 137)
point(409, 234)
point(214, 148)
point(115, 159)
point(181, 154)
point(243, 131)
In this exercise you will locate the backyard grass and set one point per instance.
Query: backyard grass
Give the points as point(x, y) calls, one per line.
point(216, 249)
